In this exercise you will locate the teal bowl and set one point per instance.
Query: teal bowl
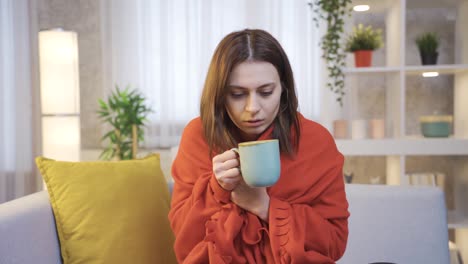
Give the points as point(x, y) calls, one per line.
point(436, 125)
point(436, 129)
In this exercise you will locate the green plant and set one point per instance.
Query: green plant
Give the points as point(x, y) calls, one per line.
point(428, 43)
point(364, 38)
point(333, 13)
point(125, 111)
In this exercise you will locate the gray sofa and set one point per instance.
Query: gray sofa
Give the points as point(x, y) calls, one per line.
point(27, 231)
point(397, 224)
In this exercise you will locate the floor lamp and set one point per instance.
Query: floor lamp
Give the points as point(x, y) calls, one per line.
point(60, 94)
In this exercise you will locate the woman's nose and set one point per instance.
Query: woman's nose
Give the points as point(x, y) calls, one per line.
point(252, 104)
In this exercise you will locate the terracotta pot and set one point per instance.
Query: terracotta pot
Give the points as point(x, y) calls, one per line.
point(363, 58)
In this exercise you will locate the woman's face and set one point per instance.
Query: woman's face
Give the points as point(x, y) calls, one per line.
point(253, 97)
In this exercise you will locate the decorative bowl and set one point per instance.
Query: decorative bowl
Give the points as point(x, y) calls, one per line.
point(436, 125)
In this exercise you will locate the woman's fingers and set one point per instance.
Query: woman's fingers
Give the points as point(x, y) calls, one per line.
point(224, 162)
point(226, 169)
point(232, 173)
point(229, 164)
point(220, 168)
point(227, 155)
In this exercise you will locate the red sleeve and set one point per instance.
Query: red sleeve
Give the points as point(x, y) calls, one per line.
point(196, 195)
point(311, 226)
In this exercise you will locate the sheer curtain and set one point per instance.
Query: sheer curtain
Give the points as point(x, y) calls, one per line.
point(17, 176)
point(164, 48)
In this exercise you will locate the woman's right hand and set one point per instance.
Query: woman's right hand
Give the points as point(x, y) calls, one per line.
point(226, 170)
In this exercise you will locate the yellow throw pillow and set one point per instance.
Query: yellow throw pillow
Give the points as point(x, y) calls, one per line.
point(110, 211)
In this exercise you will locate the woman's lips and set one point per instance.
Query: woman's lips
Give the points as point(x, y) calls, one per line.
point(254, 123)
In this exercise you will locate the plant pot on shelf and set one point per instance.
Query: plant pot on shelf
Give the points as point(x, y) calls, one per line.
point(429, 58)
point(363, 58)
point(427, 44)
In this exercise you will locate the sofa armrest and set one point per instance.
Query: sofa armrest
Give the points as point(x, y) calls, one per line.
point(27, 231)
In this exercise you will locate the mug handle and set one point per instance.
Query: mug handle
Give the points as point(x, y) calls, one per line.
point(236, 150)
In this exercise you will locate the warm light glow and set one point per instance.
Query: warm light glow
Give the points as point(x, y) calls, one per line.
point(58, 62)
point(430, 74)
point(361, 8)
point(60, 94)
point(61, 137)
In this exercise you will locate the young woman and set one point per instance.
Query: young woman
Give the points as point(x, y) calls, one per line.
point(249, 95)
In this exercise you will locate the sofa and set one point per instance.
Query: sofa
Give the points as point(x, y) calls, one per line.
point(394, 224)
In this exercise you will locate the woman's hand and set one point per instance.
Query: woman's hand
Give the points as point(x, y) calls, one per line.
point(254, 200)
point(226, 170)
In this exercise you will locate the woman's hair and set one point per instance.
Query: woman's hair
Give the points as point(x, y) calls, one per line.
point(235, 48)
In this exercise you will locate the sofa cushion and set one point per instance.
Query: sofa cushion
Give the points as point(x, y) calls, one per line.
point(396, 224)
point(110, 211)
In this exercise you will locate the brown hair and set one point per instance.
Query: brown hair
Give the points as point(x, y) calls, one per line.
point(235, 48)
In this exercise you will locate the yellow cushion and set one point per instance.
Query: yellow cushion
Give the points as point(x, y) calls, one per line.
point(110, 211)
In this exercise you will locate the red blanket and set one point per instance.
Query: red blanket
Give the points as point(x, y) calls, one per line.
point(307, 216)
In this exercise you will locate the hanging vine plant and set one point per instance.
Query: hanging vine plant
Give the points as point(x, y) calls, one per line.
point(333, 13)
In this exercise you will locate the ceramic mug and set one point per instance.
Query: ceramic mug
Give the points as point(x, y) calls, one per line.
point(259, 162)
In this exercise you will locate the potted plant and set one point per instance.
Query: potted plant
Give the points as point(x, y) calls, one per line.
point(428, 43)
point(125, 111)
point(362, 42)
point(333, 12)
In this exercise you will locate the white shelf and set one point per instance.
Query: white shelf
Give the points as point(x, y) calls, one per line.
point(354, 70)
point(410, 70)
point(441, 69)
point(456, 220)
point(406, 146)
point(401, 24)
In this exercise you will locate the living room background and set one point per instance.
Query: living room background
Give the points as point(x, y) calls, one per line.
point(112, 51)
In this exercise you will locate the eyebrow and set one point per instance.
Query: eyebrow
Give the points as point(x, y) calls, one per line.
point(259, 87)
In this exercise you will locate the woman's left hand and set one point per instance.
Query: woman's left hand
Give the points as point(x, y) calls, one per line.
point(254, 200)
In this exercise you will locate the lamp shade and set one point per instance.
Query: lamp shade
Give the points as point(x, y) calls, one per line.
point(59, 75)
point(61, 137)
point(60, 94)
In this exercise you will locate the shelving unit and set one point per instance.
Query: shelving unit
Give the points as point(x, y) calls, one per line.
point(396, 67)
point(372, 70)
point(441, 69)
point(405, 146)
point(411, 70)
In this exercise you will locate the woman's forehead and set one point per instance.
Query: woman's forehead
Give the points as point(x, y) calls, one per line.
point(253, 74)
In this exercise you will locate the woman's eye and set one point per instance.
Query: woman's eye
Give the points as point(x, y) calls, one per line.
point(266, 93)
point(237, 95)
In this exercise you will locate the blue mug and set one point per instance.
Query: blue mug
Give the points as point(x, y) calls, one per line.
point(260, 163)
